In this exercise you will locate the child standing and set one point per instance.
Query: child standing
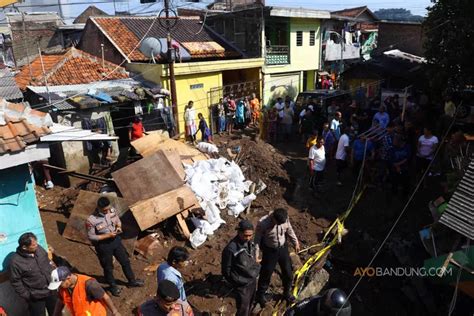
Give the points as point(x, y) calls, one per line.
point(205, 131)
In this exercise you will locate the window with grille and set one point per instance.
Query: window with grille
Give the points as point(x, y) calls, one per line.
point(312, 38)
point(299, 38)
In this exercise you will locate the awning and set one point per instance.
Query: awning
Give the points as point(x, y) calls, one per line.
point(69, 133)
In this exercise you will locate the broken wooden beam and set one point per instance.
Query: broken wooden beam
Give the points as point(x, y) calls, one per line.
point(79, 175)
point(181, 218)
point(154, 210)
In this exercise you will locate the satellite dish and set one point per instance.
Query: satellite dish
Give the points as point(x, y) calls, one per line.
point(150, 47)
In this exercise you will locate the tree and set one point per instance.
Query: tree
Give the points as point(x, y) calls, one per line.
point(397, 15)
point(449, 44)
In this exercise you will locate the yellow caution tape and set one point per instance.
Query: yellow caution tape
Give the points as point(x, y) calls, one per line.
point(339, 224)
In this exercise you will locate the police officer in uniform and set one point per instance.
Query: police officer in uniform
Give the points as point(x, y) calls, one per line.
point(103, 229)
point(166, 302)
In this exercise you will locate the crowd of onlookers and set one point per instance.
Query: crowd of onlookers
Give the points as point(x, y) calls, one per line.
point(388, 139)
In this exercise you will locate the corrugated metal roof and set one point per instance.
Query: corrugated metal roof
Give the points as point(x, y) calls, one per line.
point(459, 215)
point(8, 88)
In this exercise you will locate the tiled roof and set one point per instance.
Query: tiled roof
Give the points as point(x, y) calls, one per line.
point(72, 67)
point(125, 33)
point(355, 12)
point(8, 88)
point(20, 126)
point(87, 13)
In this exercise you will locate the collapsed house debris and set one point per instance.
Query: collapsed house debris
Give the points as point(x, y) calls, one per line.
point(219, 184)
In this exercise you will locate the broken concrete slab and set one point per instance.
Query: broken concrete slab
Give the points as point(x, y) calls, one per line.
point(154, 210)
point(86, 204)
point(147, 178)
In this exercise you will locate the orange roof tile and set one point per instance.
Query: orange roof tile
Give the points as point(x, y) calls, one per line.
point(123, 38)
point(72, 67)
point(126, 32)
point(16, 127)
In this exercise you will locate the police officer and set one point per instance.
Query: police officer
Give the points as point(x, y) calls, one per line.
point(331, 303)
point(103, 230)
point(166, 302)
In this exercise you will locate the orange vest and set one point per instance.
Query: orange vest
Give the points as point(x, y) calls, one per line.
point(78, 304)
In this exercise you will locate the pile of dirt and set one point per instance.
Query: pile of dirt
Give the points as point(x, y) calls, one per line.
point(261, 161)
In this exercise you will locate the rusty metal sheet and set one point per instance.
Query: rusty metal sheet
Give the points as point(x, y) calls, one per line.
point(85, 205)
point(147, 178)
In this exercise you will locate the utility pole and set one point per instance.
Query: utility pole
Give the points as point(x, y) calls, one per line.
point(171, 57)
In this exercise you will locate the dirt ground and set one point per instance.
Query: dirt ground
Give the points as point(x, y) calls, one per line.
point(283, 169)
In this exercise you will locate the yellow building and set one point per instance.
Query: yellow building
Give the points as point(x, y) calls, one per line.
point(292, 50)
point(206, 65)
point(289, 39)
point(203, 82)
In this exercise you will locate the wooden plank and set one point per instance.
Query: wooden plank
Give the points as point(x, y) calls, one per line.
point(175, 160)
point(155, 210)
point(85, 205)
point(149, 144)
point(182, 224)
point(184, 150)
point(147, 178)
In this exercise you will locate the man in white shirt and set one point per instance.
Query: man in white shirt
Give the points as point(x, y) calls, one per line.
point(336, 125)
point(426, 149)
point(317, 163)
point(342, 154)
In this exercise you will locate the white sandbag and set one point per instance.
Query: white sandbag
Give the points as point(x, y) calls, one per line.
point(217, 183)
point(236, 209)
point(197, 238)
point(248, 199)
point(207, 148)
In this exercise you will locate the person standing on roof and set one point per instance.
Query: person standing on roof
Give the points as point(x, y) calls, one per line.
point(169, 270)
point(30, 273)
point(81, 294)
point(103, 229)
point(240, 267)
point(270, 237)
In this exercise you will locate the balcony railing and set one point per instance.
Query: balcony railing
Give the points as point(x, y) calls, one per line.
point(277, 55)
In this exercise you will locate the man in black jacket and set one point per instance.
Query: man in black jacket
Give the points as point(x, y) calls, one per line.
point(240, 268)
point(30, 274)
